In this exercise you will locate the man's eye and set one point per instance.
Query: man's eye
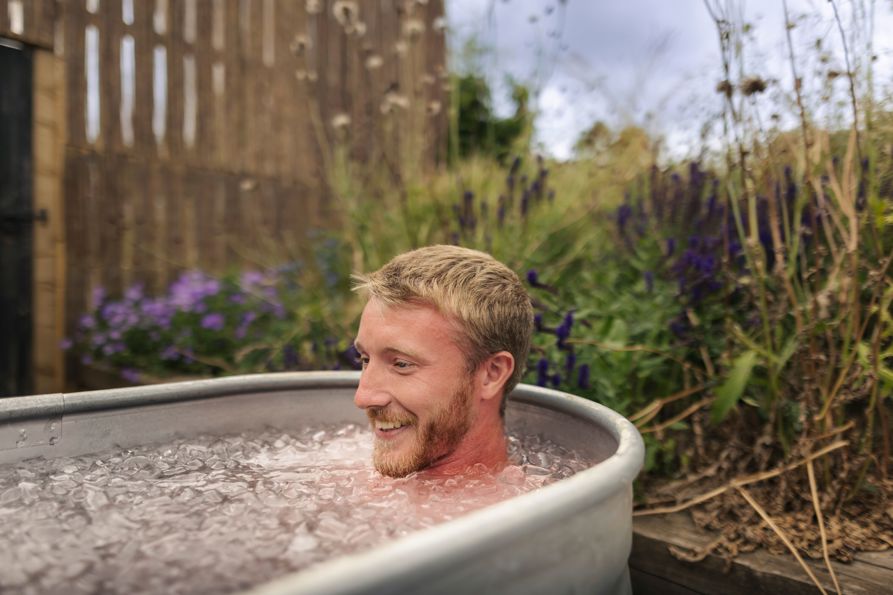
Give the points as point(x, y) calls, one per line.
point(364, 361)
point(402, 364)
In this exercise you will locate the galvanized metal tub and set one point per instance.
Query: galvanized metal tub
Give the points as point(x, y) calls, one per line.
point(573, 536)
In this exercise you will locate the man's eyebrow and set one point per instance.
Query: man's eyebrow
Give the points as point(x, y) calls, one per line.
point(409, 354)
point(391, 351)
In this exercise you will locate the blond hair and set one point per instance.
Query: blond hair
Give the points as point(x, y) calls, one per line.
point(477, 292)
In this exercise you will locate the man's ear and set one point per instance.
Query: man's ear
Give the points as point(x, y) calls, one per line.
point(494, 372)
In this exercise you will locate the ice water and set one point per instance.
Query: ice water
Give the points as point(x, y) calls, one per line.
point(219, 514)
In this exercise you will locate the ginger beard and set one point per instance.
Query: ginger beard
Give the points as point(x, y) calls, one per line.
point(428, 442)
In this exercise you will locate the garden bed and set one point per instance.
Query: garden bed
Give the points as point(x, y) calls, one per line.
point(654, 569)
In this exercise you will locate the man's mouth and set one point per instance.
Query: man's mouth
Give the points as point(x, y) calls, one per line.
point(388, 429)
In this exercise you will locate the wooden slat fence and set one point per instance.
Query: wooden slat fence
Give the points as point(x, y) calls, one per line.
point(196, 129)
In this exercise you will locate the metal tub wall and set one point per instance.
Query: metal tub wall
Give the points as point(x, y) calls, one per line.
point(573, 536)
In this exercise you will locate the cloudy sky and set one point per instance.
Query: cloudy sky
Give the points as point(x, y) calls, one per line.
point(653, 63)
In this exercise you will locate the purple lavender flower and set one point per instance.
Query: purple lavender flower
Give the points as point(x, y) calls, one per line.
point(538, 322)
point(188, 292)
point(110, 349)
point(130, 375)
point(570, 362)
point(251, 279)
point(289, 357)
point(134, 293)
point(87, 322)
point(213, 321)
point(583, 377)
point(87, 359)
point(242, 329)
point(65, 344)
point(649, 281)
point(542, 371)
point(170, 353)
point(533, 278)
point(99, 295)
point(159, 312)
point(516, 165)
point(624, 212)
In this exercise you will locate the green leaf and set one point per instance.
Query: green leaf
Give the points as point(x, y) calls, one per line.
point(728, 394)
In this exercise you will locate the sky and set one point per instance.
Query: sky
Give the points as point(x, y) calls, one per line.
point(650, 63)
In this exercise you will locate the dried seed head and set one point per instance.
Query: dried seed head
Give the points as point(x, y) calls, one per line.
point(433, 108)
point(346, 12)
point(313, 6)
point(300, 44)
point(439, 24)
point(753, 85)
point(400, 48)
point(374, 61)
point(340, 121)
point(725, 87)
point(413, 29)
point(393, 100)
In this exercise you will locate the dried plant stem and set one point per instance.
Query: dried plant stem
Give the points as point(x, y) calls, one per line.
point(742, 481)
point(647, 414)
point(818, 515)
point(850, 76)
point(852, 354)
point(760, 511)
point(630, 348)
point(688, 411)
point(834, 431)
point(798, 93)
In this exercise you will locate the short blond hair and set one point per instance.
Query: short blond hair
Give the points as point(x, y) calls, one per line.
point(481, 295)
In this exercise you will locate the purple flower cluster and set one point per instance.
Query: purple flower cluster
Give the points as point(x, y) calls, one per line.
point(198, 314)
point(521, 194)
point(189, 291)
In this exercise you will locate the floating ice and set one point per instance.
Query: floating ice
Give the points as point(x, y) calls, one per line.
point(224, 513)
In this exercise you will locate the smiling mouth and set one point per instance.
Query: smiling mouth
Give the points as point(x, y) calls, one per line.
point(389, 428)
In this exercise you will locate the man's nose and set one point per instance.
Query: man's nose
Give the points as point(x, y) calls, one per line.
point(371, 392)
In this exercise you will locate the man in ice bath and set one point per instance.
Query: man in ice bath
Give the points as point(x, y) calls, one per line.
point(443, 339)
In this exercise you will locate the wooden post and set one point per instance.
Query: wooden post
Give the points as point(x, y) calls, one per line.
point(49, 132)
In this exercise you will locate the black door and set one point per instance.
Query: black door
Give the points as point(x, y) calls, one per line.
point(16, 219)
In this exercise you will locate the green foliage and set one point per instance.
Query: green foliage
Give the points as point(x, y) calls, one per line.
point(479, 131)
point(730, 391)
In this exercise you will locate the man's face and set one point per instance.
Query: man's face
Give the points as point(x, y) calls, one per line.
point(415, 387)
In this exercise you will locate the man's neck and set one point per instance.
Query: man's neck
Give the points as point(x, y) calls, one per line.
point(484, 444)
